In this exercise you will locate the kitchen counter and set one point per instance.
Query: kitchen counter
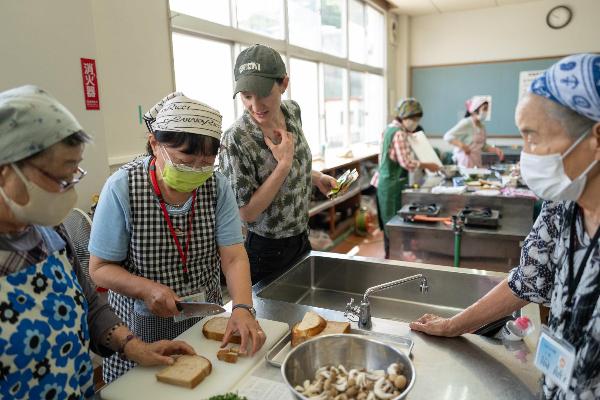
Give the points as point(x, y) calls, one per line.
point(468, 367)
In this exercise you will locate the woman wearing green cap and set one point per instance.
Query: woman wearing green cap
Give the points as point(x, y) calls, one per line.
point(396, 161)
point(50, 315)
point(268, 161)
point(166, 225)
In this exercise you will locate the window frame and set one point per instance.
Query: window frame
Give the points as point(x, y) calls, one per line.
point(236, 37)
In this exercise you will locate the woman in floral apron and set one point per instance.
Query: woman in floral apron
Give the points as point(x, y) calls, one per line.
point(164, 226)
point(50, 316)
point(469, 136)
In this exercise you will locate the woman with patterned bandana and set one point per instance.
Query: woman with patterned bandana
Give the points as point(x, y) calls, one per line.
point(166, 225)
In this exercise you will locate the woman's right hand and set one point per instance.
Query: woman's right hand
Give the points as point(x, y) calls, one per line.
point(161, 300)
point(465, 148)
point(284, 150)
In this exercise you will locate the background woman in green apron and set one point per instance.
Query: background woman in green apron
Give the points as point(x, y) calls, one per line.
point(164, 227)
point(396, 160)
point(50, 315)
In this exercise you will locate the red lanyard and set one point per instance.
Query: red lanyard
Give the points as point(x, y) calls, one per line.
point(182, 253)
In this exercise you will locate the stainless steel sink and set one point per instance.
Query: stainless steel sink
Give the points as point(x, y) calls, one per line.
point(328, 280)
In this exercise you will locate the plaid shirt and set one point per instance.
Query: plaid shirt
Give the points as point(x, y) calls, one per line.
point(399, 151)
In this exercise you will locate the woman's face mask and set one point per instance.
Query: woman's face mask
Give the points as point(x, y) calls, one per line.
point(545, 175)
point(43, 208)
point(410, 124)
point(184, 178)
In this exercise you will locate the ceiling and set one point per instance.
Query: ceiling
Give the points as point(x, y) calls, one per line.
point(424, 7)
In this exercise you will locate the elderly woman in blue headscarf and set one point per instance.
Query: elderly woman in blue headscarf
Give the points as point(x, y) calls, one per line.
point(559, 120)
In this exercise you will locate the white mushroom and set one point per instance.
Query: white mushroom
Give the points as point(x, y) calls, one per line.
point(343, 369)
point(382, 389)
point(393, 369)
point(371, 396)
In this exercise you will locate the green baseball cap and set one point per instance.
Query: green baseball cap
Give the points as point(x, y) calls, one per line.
point(256, 70)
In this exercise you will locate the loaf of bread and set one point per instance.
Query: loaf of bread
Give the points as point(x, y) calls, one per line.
point(187, 371)
point(214, 329)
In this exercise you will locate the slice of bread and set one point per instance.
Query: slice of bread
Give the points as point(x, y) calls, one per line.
point(214, 329)
point(311, 325)
point(228, 355)
point(187, 371)
point(335, 327)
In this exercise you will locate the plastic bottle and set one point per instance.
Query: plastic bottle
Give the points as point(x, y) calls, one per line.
point(516, 330)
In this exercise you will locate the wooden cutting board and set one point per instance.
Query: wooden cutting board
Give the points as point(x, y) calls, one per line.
point(141, 383)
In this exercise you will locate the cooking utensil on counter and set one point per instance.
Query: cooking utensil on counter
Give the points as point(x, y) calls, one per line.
point(352, 351)
point(198, 309)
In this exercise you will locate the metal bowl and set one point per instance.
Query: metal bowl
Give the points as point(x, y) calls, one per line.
point(352, 351)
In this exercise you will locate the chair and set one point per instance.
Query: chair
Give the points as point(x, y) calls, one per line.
point(78, 225)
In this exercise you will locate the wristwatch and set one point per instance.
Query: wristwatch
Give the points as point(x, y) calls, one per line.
point(250, 309)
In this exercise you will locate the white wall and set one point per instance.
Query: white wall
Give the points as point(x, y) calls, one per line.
point(503, 33)
point(42, 42)
point(134, 52)
point(499, 33)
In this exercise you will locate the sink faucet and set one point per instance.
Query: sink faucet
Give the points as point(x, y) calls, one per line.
point(362, 313)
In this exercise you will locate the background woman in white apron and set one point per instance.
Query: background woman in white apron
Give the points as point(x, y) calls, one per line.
point(468, 136)
point(164, 226)
point(50, 316)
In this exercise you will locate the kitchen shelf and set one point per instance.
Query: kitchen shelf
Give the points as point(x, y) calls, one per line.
point(330, 203)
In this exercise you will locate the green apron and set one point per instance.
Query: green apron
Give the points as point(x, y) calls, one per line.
point(392, 179)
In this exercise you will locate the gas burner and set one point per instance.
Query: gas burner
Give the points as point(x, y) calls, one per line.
point(480, 217)
point(408, 211)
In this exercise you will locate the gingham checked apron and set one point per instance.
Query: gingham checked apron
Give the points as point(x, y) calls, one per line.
point(153, 255)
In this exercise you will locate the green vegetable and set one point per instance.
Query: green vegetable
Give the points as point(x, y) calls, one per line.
point(228, 396)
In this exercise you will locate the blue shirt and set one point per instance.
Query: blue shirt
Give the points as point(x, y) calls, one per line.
point(111, 230)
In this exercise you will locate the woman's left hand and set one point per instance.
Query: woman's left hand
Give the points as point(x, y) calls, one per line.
point(325, 183)
point(242, 322)
point(157, 353)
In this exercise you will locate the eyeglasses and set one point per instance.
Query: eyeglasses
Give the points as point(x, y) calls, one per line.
point(64, 184)
point(181, 166)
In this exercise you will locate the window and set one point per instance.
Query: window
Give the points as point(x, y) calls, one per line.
point(322, 41)
point(357, 106)
point(366, 32)
point(375, 109)
point(210, 10)
point(304, 89)
point(261, 16)
point(209, 82)
point(334, 106)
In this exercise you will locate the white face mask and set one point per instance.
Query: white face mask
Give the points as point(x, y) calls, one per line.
point(482, 115)
point(410, 124)
point(546, 176)
point(44, 208)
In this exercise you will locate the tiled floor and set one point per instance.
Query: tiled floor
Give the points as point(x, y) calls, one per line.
point(369, 246)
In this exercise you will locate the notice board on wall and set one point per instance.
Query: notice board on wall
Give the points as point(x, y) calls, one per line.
point(443, 90)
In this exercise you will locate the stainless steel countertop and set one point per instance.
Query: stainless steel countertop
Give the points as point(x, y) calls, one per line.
point(464, 368)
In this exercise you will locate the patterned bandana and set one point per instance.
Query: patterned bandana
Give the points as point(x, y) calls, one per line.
point(573, 82)
point(408, 107)
point(31, 121)
point(178, 113)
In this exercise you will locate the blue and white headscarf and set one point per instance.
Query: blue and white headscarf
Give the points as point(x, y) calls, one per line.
point(573, 82)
